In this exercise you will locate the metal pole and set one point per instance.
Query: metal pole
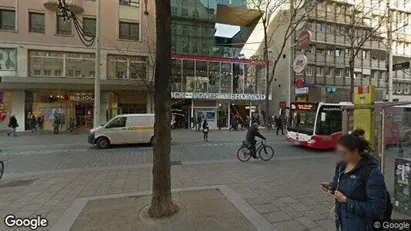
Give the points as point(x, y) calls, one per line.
point(382, 154)
point(97, 77)
point(345, 121)
point(389, 44)
point(249, 119)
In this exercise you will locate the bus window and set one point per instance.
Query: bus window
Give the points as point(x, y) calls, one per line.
point(302, 121)
point(332, 123)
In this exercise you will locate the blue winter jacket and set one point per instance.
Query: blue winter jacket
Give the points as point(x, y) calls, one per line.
point(365, 202)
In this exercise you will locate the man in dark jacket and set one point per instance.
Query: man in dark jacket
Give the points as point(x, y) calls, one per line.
point(13, 125)
point(250, 138)
point(279, 124)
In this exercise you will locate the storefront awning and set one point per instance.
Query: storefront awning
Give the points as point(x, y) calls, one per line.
point(237, 16)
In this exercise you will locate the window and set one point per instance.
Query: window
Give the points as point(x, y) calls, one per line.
point(309, 71)
point(320, 51)
point(7, 19)
point(174, 10)
point(61, 64)
point(337, 72)
point(332, 123)
point(196, 14)
point(63, 27)
point(195, 50)
point(328, 29)
point(127, 67)
point(327, 71)
point(338, 30)
point(36, 22)
point(119, 122)
point(337, 52)
point(319, 27)
point(129, 31)
point(135, 3)
point(8, 60)
point(330, 52)
point(184, 12)
point(185, 30)
point(319, 71)
point(347, 53)
point(89, 25)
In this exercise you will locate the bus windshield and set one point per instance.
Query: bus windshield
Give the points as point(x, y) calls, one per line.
point(302, 121)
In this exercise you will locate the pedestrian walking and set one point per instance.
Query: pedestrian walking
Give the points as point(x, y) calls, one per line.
point(198, 122)
point(56, 124)
point(358, 185)
point(28, 123)
point(40, 121)
point(233, 124)
point(205, 130)
point(33, 123)
point(13, 126)
point(279, 124)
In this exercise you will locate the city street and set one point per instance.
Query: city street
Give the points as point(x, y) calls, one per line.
point(45, 173)
point(50, 171)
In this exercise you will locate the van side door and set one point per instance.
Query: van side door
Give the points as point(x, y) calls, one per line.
point(116, 130)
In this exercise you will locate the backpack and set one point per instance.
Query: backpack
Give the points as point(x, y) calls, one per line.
point(389, 207)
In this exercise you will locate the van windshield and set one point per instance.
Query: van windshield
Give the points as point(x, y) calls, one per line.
point(119, 122)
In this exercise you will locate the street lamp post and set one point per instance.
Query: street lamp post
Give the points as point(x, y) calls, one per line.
point(88, 41)
point(96, 121)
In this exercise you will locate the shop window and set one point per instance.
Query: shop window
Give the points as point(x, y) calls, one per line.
point(8, 61)
point(7, 19)
point(176, 81)
point(188, 75)
point(127, 67)
point(201, 79)
point(174, 11)
point(226, 77)
point(214, 77)
point(184, 12)
point(119, 122)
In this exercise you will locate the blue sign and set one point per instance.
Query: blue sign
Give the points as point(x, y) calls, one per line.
point(331, 89)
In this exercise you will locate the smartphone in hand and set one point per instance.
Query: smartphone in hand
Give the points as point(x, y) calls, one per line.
point(327, 186)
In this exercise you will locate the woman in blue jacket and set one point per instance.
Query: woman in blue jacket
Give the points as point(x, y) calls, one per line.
point(359, 200)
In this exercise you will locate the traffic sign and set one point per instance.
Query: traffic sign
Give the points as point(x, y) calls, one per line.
point(304, 39)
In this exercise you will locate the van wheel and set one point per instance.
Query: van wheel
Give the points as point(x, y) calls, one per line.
point(103, 143)
point(152, 141)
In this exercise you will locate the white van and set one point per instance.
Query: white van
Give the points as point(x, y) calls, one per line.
point(124, 129)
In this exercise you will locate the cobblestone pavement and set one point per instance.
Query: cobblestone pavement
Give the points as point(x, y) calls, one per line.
point(46, 173)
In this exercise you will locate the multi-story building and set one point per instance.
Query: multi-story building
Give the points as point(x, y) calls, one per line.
point(207, 80)
point(45, 68)
point(326, 76)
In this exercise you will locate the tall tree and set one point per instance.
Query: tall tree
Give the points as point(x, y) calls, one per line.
point(161, 200)
point(279, 21)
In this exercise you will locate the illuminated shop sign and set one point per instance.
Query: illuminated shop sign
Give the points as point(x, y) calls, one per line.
point(222, 96)
point(304, 106)
point(81, 98)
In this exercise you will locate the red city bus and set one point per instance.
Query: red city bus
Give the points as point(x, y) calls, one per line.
point(315, 125)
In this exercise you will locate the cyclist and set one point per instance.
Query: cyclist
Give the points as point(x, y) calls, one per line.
point(250, 138)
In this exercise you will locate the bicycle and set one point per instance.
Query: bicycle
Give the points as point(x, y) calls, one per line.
point(1, 168)
point(264, 151)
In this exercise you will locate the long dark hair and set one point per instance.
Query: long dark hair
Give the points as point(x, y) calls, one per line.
point(355, 141)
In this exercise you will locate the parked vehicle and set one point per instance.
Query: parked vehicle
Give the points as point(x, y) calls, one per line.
point(124, 129)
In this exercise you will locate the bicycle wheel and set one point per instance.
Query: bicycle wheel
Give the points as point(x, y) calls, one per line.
point(266, 153)
point(1, 169)
point(243, 154)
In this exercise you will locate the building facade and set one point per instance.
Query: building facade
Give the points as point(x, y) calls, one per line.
point(45, 68)
point(210, 81)
point(326, 77)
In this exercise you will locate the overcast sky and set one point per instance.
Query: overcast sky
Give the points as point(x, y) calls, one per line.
point(226, 31)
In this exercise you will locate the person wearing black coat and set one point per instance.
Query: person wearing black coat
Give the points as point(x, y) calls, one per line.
point(279, 124)
point(250, 138)
point(13, 126)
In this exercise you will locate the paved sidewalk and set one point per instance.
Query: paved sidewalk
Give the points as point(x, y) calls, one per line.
point(285, 192)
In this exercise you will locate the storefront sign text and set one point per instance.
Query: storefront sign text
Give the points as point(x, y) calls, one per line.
point(81, 98)
point(302, 90)
point(199, 95)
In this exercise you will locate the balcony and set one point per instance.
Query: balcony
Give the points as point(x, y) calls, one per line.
point(76, 6)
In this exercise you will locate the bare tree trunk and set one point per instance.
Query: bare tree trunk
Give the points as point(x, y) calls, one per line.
point(351, 64)
point(161, 201)
point(267, 75)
